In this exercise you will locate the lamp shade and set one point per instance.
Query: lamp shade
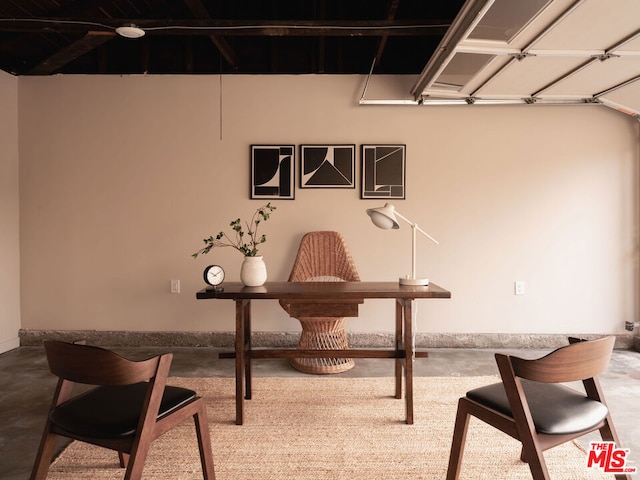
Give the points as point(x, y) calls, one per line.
point(384, 217)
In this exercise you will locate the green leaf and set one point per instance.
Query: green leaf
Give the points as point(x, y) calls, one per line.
point(248, 246)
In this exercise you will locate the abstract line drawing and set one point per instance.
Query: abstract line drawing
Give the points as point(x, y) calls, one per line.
point(383, 171)
point(272, 172)
point(327, 166)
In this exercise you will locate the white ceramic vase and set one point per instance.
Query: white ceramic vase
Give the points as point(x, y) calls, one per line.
point(253, 272)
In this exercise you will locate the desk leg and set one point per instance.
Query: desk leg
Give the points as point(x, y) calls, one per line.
point(242, 307)
point(399, 341)
point(247, 343)
point(408, 360)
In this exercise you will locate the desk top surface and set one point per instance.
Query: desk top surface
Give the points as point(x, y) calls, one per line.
point(306, 291)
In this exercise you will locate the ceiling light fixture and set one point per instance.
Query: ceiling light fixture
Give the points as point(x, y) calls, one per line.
point(130, 31)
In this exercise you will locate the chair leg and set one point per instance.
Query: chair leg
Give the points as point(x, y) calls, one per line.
point(204, 442)
point(609, 434)
point(124, 459)
point(136, 459)
point(532, 454)
point(44, 455)
point(458, 442)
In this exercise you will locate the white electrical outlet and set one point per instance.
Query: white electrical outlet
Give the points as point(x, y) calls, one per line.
point(175, 286)
point(519, 287)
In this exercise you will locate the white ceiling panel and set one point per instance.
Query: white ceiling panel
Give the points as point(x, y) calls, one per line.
point(462, 68)
point(632, 45)
point(555, 51)
point(597, 77)
point(594, 24)
point(505, 20)
point(626, 99)
point(527, 76)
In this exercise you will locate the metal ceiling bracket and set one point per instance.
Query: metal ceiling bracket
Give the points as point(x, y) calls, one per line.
point(521, 56)
point(606, 56)
point(363, 101)
point(366, 84)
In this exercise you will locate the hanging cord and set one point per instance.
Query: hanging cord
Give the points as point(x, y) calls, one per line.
point(220, 109)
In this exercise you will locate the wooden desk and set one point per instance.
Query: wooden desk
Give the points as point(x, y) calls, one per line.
point(316, 295)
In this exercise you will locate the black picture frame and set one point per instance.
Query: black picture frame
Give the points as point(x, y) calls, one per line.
point(272, 172)
point(383, 171)
point(328, 166)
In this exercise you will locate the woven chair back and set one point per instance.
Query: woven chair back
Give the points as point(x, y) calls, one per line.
point(323, 256)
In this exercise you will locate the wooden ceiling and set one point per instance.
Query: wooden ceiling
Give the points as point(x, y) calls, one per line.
point(46, 37)
point(461, 51)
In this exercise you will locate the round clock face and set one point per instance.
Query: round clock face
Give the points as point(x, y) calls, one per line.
point(214, 275)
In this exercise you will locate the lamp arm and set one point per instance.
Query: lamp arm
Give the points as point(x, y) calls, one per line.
point(426, 234)
point(415, 225)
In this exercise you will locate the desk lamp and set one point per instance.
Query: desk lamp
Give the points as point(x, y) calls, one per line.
point(385, 218)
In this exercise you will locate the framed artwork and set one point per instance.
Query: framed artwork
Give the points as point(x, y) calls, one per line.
point(327, 166)
point(383, 171)
point(272, 172)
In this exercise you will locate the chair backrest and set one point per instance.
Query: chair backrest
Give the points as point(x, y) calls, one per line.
point(323, 256)
point(92, 365)
point(577, 361)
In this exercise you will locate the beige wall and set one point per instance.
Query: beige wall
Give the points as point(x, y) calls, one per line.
point(121, 177)
point(9, 215)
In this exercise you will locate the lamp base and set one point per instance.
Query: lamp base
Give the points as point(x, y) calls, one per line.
point(414, 281)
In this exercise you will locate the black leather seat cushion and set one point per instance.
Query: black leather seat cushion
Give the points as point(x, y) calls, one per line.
point(113, 411)
point(555, 409)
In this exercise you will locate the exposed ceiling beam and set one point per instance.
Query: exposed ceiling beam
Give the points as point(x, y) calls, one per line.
point(68, 54)
point(199, 11)
point(77, 9)
point(276, 28)
point(322, 47)
point(392, 8)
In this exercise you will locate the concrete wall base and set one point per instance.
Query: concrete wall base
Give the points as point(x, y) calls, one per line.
point(290, 339)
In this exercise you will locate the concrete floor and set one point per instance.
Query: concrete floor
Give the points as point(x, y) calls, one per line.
point(26, 387)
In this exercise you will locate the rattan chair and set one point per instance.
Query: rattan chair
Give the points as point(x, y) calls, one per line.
point(128, 407)
point(322, 257)
point(531, 405)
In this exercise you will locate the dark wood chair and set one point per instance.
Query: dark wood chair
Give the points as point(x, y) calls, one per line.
point(128, 407)
point(531, 406)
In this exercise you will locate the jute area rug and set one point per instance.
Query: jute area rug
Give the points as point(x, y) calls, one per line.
point(328, 428)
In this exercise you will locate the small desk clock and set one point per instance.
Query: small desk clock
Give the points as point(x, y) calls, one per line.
point(214, 276)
